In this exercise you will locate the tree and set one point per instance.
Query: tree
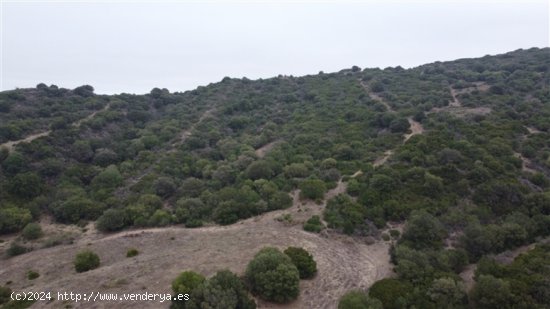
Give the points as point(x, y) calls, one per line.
point(303, 260)
point(259, 169)
point(111, 220)
point(25, 185)
point(296, 170)
point(423, 230)
point(84, 91)
point(186, 282)
point(192, 187)
point(448, 293)
point(344, 213)
point(312, 189)
point(82, 151)
point(400, 125)
point(109, 178)
point(13, 219)
point(391, 292)
point(272, 276)
point(14, 163)
point(164, 186)
point(223, 290)
point(279, 200)
point(492, 293)
point(86, 260)
point(358, 300)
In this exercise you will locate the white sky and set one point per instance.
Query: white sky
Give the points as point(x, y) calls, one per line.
point(135, 46)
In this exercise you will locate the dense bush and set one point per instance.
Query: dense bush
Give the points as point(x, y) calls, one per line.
point(273, 276)
point(358, 300)
point(86, 260)
point(303, 260)
point(313, 224)
point(312, 189)
point(32, 231)
point(111, 220)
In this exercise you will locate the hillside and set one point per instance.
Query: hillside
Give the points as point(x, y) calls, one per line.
point(433, 168)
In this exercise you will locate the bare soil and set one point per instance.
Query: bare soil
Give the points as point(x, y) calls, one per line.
point(343, 262)
point(376, 97)
point(526, 163)
point(533, 130)
point(416, 128)
point(455, 106)
point(383, 159)
point(262, 151)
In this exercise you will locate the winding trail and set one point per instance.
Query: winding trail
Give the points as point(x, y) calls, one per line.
point(415, 126)
point(376, 97)
point(9, 145)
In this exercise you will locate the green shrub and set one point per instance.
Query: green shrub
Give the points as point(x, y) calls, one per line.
point(5, 294)
point(31, 275)
point(394, 233)
point(111, 220)
point(358, 300)
point(313, 224)
point(186, 282)
point(132, 252)
point(86, 260)
point(16, 249)
point(391, 292)
point(273, 276)
point(312, 189)
point(303, 260)
point(223, 290)
point(32, 231)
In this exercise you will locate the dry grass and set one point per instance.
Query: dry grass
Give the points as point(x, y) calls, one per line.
point(344, 262)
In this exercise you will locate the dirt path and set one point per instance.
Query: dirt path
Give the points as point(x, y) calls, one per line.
point(505, 257)
point(9, 145)
point(533, 130)
point(376, 97)
point(416, 128)
point(262, 151)
point(455, 102)
point(383, 159)
point(525, 163)
point(343, 262)
point(186, 133)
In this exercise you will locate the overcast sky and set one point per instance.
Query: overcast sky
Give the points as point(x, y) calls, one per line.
point(135, 46)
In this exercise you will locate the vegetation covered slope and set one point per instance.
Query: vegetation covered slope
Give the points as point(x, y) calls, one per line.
point(475, 182)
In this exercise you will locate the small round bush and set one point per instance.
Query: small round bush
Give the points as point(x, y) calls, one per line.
point(385, 237)
point(303, 260)
point(313, 224)
point(32, 231)
point(132, 252)
point(31, 275)
point(186, 282)
point(86, 260)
